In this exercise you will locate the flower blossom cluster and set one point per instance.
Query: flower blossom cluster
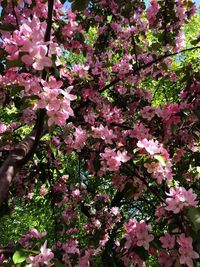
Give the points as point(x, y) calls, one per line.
point(77, 141)
point(187, 254)
point(70, 248)
point(27, 238)
point(152, 147)
point(3, 127)
point(137, 234)
point(152, 12)
point(113, 159)
point(114, 120)
point(45, 256)
point(161, 169)
point(168, 241)
point(56, 101)
point(29, 39)
point(184, 255)
point(181, 11)
point(180, 198)
point(124, 66)
point(80, 70)
point(104, 133)
point(72, 26)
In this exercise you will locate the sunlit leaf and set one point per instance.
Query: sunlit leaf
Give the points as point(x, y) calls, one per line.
point(19, 256)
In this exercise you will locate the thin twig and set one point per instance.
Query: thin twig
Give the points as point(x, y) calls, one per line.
point(116, 80)
point(26, 148)
point(15, 15)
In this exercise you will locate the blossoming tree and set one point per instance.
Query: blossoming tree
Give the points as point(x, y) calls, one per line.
point(80, 84)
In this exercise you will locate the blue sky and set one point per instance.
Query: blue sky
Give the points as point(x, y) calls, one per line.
point(67, 4)
point(196, 1)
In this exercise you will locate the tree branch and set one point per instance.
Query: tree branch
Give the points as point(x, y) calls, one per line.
point(157, 60)
point(26, 148)
point(15, 15)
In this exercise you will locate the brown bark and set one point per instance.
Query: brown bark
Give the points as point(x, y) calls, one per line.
point(20, 156)
point(26, 148)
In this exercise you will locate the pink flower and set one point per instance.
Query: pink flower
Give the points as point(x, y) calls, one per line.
point(152, 12)
point(122, 156)
point(174, 204)
point(123, 66)
point(67, 94)
point(142, 235)
point(104, 240)
point(33, 233)
point(168, 241)
point(151, 146)
point(43, 190)
point(68, 216)
point(2, 258)
point(71, 247)
point(3, 127)
point(121, 89)
point(152, 167)
point(114, 159)
point(180, 41)
point(80, 138)
point(180, 12)
point(185, 242)
point(113, 164)
point(96, 223)
point(137, 233)
point(180, 198)
point(149, 112)
point(115, 211)
point(168, 111)
point(38, 58)
point(189, 197)
point(76, 193)
point(56, 101)
point(57, 117)
point(80, 70)
point(44, 257)
point(186, 250)
point(144, 240)
point(187, 256)
point(84, 260)
point(104, 133)
point(165, 259)
point(27, 238)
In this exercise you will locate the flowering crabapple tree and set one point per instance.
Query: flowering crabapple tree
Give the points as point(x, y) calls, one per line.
point(78, 85)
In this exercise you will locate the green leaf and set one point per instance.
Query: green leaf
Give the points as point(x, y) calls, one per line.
point(161, 159)
point(58, 264)
point(79, 5)
point(164, 66)
point(141, 252)
point(14, 63)
point(14, 89)
point(80, 37)
point(7, 27)
point(194, 42)
point(19, 256)
point(155, 46)
point(194, 215)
